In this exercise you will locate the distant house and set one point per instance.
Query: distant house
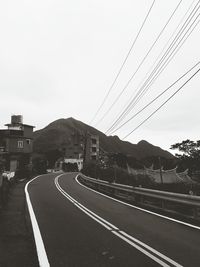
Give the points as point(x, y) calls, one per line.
point(162, 176)
point(168, 176)
point(83, 147)
point(75, 149)
point(16, 143)
point(92, 148)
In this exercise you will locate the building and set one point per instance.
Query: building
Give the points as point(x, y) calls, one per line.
point(16, 143)
point(91, 147)
point(83, 147)
point(160, 176)
point(75, 149)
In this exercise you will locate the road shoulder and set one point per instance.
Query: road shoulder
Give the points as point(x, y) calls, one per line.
point(17, 247)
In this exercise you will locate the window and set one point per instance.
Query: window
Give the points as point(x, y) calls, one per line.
point(94, 141)
point(20, 144)
point(94, 149)
point(2, 149)
point(93, 157)
point(28, 141)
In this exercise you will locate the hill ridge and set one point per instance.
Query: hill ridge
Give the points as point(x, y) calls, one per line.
point(57, 134)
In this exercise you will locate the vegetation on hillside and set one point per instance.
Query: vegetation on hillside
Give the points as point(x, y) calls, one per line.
point(189, 157)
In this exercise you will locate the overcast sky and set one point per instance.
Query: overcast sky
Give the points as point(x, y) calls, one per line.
point(58, 59)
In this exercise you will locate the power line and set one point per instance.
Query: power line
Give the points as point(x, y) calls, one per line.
point(161, 105)
point(158, 96)
point(184, 26)
point(131, 104)
point(139, 66)
point(124, 62)
point(167, 61)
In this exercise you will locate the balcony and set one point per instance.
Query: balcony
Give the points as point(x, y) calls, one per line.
point(3, 150)
point(11, 133)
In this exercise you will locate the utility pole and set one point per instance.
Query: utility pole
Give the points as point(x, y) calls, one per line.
point(115, 170)
point(85, 147)
point(161, 176)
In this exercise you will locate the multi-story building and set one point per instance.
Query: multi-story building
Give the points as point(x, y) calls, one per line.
point(84, 147)
point(76, 148)
point(92, 148)
point(16, 143)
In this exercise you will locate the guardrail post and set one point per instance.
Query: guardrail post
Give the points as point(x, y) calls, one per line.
point(163, 204)
point(196, 213)
point(139, 198)
point(115, 192)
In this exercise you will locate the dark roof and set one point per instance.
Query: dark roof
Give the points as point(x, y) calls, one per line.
point(12, 124)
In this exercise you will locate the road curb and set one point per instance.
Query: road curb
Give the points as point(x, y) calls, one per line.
point(41, 252)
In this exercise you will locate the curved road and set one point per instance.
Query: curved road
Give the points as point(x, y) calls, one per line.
point(80, 227)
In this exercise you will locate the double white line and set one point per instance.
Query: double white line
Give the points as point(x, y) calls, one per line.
point(142, 247)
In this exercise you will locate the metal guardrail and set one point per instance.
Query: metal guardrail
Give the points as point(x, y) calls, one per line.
point(185, 205)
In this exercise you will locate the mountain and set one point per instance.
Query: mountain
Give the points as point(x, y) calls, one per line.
point(57, 135)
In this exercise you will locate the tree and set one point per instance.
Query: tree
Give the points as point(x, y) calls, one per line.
point(69, 167)
point(190, 153)
point(2, 164)
point(39, 164)
point(189, 148)
point(52, 156)
point(118, 159)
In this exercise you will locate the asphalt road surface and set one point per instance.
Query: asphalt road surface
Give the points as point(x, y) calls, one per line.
point(80, 227)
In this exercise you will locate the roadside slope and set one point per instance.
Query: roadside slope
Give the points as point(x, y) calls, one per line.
point(17, 247)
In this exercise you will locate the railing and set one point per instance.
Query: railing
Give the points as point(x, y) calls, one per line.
point(180, 204)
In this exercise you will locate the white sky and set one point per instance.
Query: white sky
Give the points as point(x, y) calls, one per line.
point(58, 59)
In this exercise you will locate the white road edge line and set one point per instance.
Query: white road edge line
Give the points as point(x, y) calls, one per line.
point(41, 252)
point(121, 234)
point(141, 209)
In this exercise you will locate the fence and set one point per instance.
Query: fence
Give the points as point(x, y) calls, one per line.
point(187, 206)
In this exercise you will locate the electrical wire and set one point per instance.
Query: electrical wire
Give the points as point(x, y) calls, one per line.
point(124, 62)
point(171, 56)
point(157, 97)
point(173, 43)
point(129, 107)
point(161, 105)
point(139, 66)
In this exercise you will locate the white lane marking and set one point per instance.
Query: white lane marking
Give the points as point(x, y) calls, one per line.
point(121, 234)
point(149, 248)
point(84, 209)
point(142, 250)
point(141, 209)
point(41, 252)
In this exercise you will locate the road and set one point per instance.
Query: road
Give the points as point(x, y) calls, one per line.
point(80, 227)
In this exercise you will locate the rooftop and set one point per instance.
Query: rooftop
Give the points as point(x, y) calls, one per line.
point(19, 124)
